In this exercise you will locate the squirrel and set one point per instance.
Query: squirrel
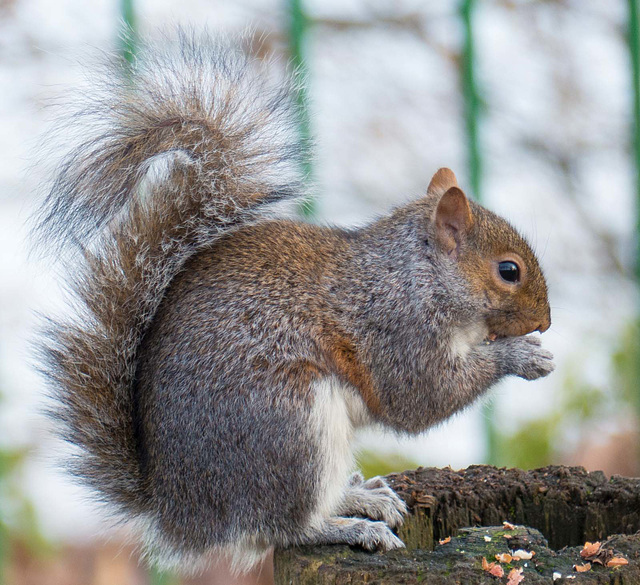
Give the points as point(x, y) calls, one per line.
point(222, 354)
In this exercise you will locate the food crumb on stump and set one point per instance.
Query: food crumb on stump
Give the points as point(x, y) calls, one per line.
point(492, 568)
point(582, 568)
point(515, 577)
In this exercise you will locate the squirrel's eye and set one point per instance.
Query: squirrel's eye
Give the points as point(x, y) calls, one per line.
point(509, 271)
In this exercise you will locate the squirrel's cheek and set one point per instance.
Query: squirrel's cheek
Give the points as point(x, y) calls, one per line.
point(506, 326)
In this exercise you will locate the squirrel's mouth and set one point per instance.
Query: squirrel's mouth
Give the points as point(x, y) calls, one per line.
point(491, 337)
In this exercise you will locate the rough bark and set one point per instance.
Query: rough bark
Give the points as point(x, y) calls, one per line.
point(556, 509)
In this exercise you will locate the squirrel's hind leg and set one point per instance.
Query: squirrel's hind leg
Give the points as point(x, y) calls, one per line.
point(376, 507)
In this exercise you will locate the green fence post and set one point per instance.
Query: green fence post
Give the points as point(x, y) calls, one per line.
point(129, 33)
point(472, 112)
point(634, 50)
point(298, 27)
point(471, 98)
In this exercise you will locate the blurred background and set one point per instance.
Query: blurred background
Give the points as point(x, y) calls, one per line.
point(533, 103)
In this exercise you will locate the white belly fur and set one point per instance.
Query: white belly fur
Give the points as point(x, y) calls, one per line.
point(338, 410)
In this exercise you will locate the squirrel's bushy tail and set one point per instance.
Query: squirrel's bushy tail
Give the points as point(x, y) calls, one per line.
point(193, 141)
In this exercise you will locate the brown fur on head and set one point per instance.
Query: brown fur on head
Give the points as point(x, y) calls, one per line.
point(482, 243)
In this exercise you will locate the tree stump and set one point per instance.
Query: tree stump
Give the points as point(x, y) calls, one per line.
point(555, 510)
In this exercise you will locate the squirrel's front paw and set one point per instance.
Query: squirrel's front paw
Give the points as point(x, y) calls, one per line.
point(373, 499)
point(527, 358)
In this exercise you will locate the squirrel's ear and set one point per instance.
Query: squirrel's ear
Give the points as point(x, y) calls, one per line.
point(441, 182)
point(452, 219)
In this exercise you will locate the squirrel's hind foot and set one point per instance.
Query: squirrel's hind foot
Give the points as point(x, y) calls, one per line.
point(368, 534)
